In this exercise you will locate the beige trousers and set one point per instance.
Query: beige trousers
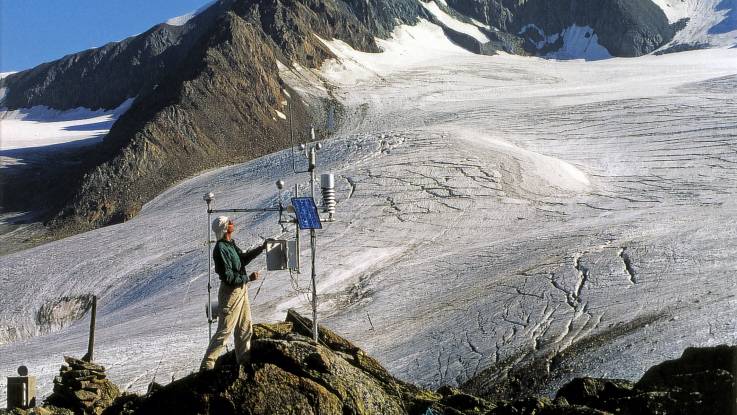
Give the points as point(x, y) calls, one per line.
point(235, 312)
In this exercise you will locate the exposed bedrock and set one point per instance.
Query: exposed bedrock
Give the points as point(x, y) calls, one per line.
point(289, 373)
point(624, 27)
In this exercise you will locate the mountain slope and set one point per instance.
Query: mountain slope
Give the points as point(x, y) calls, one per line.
point(207, 93)
point(105, 77)
point(214, 100)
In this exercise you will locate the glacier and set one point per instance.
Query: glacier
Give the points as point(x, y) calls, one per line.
point(493, 211)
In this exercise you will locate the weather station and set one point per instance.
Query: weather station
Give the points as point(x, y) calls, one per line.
point(302, 212)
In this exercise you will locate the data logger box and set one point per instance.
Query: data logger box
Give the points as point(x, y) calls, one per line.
point(281, 255)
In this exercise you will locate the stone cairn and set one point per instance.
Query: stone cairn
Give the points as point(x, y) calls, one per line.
point(82, 387)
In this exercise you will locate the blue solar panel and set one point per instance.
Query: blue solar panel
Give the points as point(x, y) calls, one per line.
point(306, 211)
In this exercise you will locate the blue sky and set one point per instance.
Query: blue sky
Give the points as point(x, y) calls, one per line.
point(37, 31)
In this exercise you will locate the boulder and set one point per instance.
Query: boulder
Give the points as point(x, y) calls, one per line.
point(596, 393)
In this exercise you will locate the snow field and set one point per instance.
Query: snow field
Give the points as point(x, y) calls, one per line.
point(42, 126)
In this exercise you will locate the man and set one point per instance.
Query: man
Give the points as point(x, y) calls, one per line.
point(235, 310)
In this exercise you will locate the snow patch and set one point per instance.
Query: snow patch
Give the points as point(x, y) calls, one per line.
point(454, 23)
point(43, 126)
point(712, 22)
point(579, 42)
point(554, 171)
point(408, 46)
point(674, 10)
point(183, 19)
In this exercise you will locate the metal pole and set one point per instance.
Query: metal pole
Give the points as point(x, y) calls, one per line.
point(296, 236)
point(291, 138)
point(250, 210)
point(313, 237)
point(313, 161)
point(313, 243)
point(91, 343)
point(209, 274)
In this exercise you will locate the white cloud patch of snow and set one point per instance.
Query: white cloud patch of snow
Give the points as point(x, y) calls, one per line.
point(705, 17)
point(454, 23)
point(579, 42)
point(42, 126)
point(675, 10)
point(408, 45)
point(183, 19)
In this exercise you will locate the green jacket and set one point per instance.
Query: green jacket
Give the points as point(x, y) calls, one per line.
point(230, 261)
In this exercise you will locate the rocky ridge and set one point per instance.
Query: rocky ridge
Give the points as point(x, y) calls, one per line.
point(288, 373)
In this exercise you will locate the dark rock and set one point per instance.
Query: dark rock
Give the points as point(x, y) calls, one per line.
point(682, 47)
point(703, 375)
point(624, 27)
point(272, 331)
point(291, 374)
point(44, 410)
point(303, 326)
point(693, 360)
point(296, 376)
point(464, 402)
point(78, 366)
point(542, 406)
point(596, 393)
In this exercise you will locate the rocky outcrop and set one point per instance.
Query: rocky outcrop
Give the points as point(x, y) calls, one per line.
point(623, 27)
point(288, 373)
point(83, 388)
point(701, 381)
